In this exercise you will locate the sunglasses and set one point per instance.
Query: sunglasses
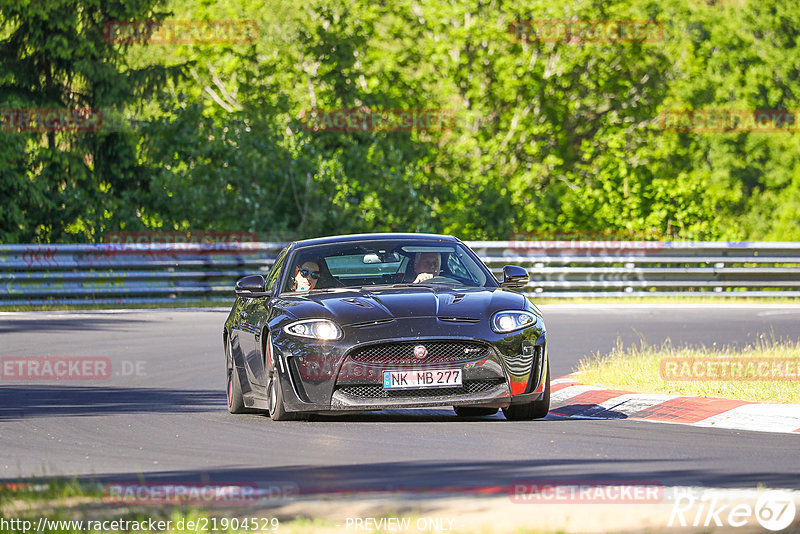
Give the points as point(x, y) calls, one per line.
point(306, 273)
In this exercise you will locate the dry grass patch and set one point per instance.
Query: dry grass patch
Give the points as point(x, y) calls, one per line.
point(728, 372)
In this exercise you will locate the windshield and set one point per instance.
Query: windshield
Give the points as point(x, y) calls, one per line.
point(382, 262)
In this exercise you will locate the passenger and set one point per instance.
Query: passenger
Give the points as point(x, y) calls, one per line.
point(306, 276)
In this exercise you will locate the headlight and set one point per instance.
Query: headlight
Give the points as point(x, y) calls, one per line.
point(508, 321)
point(314, 328)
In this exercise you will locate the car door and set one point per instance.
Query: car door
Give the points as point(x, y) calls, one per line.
point(255, 314)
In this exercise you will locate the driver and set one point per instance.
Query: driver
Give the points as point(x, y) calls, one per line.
point(426, 266)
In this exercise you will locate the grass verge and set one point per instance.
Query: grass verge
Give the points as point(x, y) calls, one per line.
point(64, 507)
point(72, 507)
point(767, 371)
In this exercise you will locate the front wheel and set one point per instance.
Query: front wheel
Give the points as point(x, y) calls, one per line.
point(234, 389)
point(542, 407)
point(531, 410)
point(277, 410)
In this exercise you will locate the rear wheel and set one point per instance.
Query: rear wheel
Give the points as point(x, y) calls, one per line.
point(531, 410)
point(472, 411)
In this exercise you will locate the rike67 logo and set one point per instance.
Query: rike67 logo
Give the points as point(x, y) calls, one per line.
point(774, 510)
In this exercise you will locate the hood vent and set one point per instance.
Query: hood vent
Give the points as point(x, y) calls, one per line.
point(372, 323)
point(358, 302)
point(459, 320)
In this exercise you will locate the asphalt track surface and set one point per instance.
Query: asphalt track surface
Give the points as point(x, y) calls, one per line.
point(169, 422)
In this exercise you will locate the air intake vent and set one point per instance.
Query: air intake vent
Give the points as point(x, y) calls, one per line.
point(377, 392)
point(359, 302)
point(403, 352)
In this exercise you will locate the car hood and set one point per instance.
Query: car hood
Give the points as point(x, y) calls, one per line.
point(352, 306)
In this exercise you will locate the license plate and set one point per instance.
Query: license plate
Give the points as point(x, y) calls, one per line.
point(434, 378)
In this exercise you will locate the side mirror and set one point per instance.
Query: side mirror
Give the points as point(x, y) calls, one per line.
point(251, 286)
point(514, 277)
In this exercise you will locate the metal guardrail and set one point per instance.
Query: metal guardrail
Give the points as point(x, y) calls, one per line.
point(194, 272)
point(129, 273)
point(650, 268)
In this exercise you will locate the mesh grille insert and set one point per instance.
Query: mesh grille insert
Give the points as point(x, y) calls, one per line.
point(377, 392)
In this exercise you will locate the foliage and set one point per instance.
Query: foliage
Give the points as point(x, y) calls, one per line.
point(548, 136)
point(69, 183)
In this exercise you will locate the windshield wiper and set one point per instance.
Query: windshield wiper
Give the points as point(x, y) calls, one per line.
point(429, 285)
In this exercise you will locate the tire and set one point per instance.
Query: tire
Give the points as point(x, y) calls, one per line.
point(472, 411)
point(277, 411)
point(531, 410)
point(234, 389)
point(542, 407)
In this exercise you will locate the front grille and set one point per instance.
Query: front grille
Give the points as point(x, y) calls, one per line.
point(377, 392)
point(403, 352)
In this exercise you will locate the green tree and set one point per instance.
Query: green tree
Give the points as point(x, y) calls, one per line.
point(549, 136)
point(71, 184)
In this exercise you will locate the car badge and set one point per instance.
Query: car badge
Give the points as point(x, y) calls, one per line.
point(420, 351)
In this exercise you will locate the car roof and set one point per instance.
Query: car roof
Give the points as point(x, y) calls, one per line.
point(366, 237)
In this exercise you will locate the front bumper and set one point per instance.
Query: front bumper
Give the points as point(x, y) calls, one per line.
point(497, 370)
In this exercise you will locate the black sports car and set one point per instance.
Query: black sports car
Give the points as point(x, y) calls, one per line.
point(377, 321)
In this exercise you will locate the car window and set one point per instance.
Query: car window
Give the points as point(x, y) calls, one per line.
point(456, 267)
point(477, 274)
point(364, 265)
point(275, 271)
point(389, 262)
